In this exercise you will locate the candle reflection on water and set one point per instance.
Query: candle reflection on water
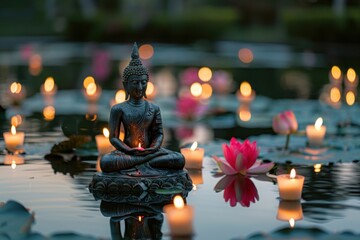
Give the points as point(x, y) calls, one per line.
point(289, 211)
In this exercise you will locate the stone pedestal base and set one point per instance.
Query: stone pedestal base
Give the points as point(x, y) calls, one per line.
point(117, 187)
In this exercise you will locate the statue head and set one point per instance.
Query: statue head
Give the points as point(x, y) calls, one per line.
point(135, 68)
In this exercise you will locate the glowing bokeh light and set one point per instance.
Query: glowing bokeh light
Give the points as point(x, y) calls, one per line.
point(146, 51)
point(120, 96)
point(88, 80)
point(336, 72)
point(196, 89)
point(205, 74)
point(49, 113)
point(245, 89)
point(207, 91)
point(350, 98)
point(351, 75)
point(335, 95)
point(49, 84)
point(246, 55)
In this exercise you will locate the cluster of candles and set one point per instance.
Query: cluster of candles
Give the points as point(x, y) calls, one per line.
point(337, 79)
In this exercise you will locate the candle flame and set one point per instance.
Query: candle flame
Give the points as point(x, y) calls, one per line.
point(292, 173)
point(178, 202)
point(336, 72)
point(49, 84)
point(140, 218)
point(245, 89)
point(15, 87)
point(292, 222)
point(317, 167)
point(194, 146)
point(318, 123)
point(194, 187)
point(351, 75)
point(13, 130)
point(106, 132)
point(13, 164)
point(91, 89)
point(139, 146)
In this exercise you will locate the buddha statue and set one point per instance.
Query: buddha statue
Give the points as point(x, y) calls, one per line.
point(140, 153)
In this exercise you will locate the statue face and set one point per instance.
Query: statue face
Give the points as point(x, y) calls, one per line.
point(136, 86)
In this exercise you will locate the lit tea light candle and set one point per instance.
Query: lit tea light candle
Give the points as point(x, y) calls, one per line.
point(290, 185)
point(316, 133)
point(179, 217)
point(48, 88)
point(139, 147)
point(14, 140)
point(245, 93)
point(289, 211)
point(193, 156)
point(102, 142)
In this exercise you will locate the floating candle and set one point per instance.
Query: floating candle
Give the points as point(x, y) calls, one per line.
point(102, 142)
point(14, 140)
point(316, 133)
point(290, 185)
point(179, 217)
point(193, 156)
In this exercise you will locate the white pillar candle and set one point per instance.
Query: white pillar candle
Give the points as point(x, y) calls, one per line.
point(14, 140)
point(102, 142)
point(290, 185)
point(316, 133)
point(193, 156)
point(179, 217)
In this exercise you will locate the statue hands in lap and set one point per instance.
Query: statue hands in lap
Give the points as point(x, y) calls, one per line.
point(140, 152)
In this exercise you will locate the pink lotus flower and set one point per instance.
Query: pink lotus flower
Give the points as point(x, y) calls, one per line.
point(189, 76)
point(285, 123)
point(241, 158)
point(238, 189)
point(188, 107)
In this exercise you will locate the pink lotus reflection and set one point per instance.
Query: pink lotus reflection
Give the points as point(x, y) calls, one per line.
point(238, 189)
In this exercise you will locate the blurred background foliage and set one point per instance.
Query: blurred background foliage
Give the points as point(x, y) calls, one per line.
point(308, 27)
